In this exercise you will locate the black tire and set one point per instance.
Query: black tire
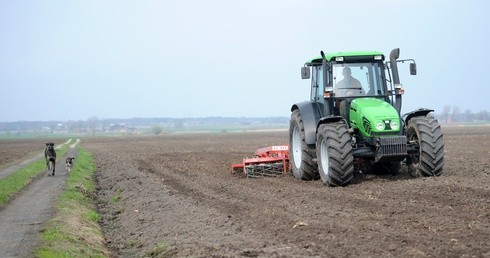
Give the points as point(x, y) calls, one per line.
point(334, 152)
point(302, 155)
point(426, 133)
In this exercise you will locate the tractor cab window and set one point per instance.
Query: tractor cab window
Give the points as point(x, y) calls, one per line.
point(357, 79)
point(317, 81)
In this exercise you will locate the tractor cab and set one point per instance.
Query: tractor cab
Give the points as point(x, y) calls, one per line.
point(341, 77)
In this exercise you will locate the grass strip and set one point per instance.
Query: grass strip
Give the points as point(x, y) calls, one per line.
point(16, 181)
point(74, 230)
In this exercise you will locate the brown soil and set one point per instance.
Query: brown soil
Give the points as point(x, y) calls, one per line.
point(174, 196)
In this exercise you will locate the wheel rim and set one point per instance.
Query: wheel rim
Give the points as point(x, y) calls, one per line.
point(324, 160)
point(296, 147)
point(415, 157)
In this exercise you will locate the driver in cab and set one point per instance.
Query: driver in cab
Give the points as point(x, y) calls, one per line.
point(349, 86)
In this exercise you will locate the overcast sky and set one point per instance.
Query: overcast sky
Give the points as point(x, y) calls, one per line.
point(70, 60)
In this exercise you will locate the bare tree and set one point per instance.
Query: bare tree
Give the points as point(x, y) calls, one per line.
point(156, 130)
point(483, 115)
point(455, 114)
point(179, 123)
point(468, 116)
point(92, 124)
point(445, 113)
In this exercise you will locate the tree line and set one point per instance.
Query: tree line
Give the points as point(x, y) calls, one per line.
point(453, 114)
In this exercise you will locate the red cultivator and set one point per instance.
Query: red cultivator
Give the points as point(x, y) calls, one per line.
point(268, 161)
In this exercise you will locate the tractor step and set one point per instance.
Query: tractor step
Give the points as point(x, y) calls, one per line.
point(268, 161)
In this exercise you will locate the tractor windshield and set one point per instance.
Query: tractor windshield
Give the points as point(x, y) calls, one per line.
point(357, 79)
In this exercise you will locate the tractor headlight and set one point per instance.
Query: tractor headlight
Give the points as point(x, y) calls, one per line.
point(380, 126)
point(394, 125)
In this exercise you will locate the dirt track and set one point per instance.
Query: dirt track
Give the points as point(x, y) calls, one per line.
point(21, 219)
point(177, 190)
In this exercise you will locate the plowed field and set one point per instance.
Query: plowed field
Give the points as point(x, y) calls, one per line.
point(173, 195)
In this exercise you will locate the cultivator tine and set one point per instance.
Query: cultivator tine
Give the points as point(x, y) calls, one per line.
point(267, 169)
point(238, 170)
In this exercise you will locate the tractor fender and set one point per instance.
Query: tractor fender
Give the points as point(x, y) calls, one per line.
point(310, 114)
point(415, 113)
point(329, 119)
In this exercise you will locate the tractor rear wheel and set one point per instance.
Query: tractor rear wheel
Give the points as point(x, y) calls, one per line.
point(334, 152)
point(428, 160)
point(302, 155)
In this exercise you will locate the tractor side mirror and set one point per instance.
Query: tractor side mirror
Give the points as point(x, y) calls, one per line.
point(413, 69)
point(305, 72)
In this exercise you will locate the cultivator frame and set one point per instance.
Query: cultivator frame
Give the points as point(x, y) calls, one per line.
point(267, 161)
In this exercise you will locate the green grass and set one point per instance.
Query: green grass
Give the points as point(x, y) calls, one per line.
point(74, 231)
point(159, 250)
point(16, 181)
point(114, 199)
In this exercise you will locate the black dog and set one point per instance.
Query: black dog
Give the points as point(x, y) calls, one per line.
point(69, 163)
point(50, 155)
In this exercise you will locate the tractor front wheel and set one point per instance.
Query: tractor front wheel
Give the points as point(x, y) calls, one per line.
point(334, 152)
point(301, 154)
point(425, 133)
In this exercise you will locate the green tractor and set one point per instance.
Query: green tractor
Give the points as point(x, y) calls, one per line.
point(353, 122)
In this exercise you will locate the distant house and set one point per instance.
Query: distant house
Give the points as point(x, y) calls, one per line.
point(60, 128)
point(120, 127)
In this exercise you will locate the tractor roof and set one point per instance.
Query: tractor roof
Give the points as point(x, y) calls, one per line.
point(332, 55)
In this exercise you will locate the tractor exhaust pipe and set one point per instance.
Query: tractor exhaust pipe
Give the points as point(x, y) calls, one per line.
point(395, 53)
